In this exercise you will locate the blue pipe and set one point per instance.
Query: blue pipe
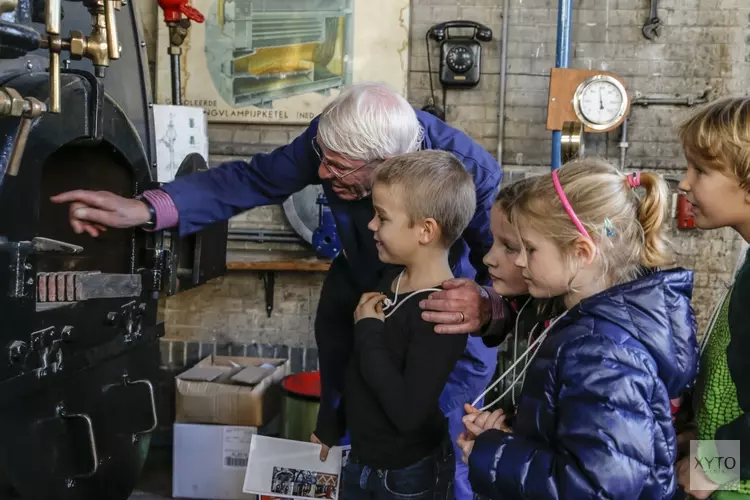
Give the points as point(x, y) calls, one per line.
point(562, 60)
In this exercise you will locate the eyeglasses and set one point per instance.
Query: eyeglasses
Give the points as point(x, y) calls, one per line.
point(332, 167)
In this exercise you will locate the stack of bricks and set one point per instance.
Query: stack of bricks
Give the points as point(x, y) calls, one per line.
point(703, 47)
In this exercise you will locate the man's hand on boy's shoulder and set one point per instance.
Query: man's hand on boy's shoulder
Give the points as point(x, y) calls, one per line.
point(461, 307)
point(370, 306)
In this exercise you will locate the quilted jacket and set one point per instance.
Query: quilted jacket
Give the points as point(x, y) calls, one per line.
point(594, 417)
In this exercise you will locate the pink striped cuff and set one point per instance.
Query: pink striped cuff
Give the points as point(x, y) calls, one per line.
point(498, 314)
point(166, 211)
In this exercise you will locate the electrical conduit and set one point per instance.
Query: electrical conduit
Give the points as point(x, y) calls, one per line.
point(562, 60)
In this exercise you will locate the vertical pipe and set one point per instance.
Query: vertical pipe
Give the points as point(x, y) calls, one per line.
point(52, 18)
point(113, 40)
point(503, 82)
point(562, 60)
point(174, 59)
point(623, 143)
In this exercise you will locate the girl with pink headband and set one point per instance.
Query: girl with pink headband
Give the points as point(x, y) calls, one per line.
point(594, 417)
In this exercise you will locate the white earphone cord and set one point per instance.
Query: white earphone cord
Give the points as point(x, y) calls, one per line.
point(531, 347)
point(515, 347)
point(388, 303)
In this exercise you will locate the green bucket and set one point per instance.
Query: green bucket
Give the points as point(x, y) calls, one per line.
point(300, 403)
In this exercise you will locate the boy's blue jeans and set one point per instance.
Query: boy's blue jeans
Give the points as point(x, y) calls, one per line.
point(429, 479)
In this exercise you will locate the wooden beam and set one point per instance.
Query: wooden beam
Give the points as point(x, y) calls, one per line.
point(276, 260)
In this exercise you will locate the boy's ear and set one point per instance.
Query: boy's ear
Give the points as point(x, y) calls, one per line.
point(585, 249)
point(430, 231)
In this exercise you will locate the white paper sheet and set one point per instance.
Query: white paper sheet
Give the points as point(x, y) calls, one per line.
point(292, 469)
point(179, 131)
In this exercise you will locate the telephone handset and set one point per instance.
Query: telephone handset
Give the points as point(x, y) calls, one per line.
point(440, 31)
point(460, 56)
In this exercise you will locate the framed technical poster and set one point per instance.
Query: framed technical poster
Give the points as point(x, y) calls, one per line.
point(281, 61)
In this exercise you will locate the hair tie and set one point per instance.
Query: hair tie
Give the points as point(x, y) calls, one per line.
point(567, 207)
point(634, 179)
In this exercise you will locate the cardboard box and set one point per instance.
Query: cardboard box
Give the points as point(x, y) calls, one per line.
point(210, 461)
point(212, 392)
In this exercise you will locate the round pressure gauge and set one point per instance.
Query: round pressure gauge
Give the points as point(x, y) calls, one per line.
point(600, 102)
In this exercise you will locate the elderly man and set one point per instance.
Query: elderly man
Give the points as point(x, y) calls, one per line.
point(364, 125)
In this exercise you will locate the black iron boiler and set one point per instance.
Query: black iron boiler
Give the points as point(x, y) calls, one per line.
point(79, 338)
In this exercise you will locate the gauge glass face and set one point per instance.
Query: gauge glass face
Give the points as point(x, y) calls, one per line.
point(601, 102)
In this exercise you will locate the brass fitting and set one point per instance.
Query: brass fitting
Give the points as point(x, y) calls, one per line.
point(78, 45)
point(12, 104)
point(178, 31)
point(92, 47)
point(101, 46)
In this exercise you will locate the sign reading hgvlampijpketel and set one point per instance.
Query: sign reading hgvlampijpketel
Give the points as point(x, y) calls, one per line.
point(281, 61)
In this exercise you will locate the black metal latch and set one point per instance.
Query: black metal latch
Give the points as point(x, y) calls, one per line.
point(129, 318)
point(47, 345)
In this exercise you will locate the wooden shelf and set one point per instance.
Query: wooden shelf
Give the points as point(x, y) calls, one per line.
point(276, 260)
point(269, 262)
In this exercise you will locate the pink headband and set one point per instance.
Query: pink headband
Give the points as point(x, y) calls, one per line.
point(567, 207)
point(634, 179)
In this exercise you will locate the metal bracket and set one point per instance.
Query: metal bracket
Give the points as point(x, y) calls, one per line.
point(20, 286)
point(269, 280)
point(130, 319)
point(46, 343)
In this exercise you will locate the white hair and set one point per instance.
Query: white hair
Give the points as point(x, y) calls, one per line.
point(369, 121)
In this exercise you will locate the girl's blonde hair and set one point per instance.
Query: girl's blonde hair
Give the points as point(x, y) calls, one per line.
point(627, 227)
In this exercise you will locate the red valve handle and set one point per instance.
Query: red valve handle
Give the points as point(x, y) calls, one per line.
point(192, 13)
point(174, 9)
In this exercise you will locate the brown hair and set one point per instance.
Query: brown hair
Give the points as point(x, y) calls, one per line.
point(628, 228)
point(509, 193)
point(435, 184)
point(717, 136)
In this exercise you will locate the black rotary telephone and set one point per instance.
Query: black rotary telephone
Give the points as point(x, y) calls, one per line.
point(460, 58)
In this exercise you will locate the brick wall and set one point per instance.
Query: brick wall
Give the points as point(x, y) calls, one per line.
point(702, 47)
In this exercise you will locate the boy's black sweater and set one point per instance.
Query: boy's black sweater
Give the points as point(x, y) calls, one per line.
point(393, 384)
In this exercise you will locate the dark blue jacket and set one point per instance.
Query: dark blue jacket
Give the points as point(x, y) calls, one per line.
point(594, 418)
point(218, 194)
point(268, 179)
